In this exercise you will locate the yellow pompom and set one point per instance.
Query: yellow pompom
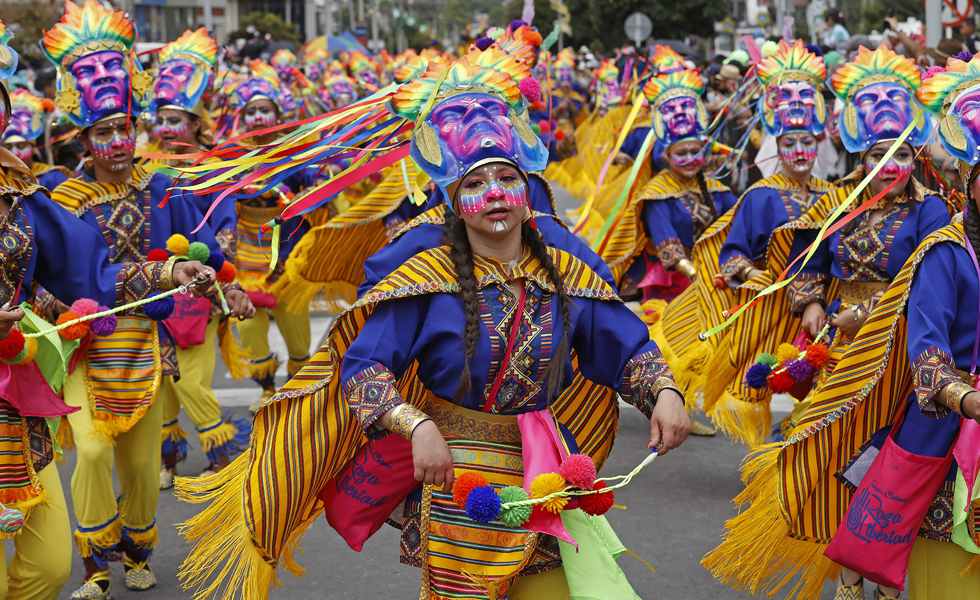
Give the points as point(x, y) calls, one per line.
point(178, 245)
point(787, 352)
point(549, 483)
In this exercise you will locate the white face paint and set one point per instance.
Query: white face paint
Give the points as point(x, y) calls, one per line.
point(499, 226)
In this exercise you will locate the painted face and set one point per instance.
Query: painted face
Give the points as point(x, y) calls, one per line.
point(493, 198)
point(315, 71)
point(173, 79)
point(368, 79)
point(686, 158)
point(22, 150)
point(797, 152)
point(470, 122)
point(898, 169)
point(259, 114)
point(342, 93)
point(102, 80)
point(174, 127)
point(610, 94)
point(884, 108)
point(112, 142)
point(564, 76)
point(680, 116)
point(794, 102)
point(4, 108)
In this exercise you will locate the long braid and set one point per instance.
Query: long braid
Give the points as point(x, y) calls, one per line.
point(971, 221)
point(705, 194)
point(462, 256)
point(555, 376)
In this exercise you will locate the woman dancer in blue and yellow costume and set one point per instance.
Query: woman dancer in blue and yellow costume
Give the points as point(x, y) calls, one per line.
point(44, 244)
point(100, 87)
point(183, 127)
point(28, 119)
point(738, 244)
point(903, 396)
point(425, 366)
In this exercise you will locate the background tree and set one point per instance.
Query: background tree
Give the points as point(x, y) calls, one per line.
point(268, 23)
point(28, 22)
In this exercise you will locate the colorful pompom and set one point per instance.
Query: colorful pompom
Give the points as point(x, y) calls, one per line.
point(84, 307)
point(767, 359)
point(546, 484)
point(817, 355)
point(597, 504)
point(786, 352)
point(178, 245)
point(483, 43)
point(780, 382)
point(530, 89)
point(544, 126)
point(757, 375)
point(158, 310)
point(103, 326)
point(560, 135)
point(11, 520)
point(514, 516)
point(579, 471)
point(227, 272)
point(466, 483)
point(799, 370)
point(199, 251)
point(72, 332)
point(12, 345)
point(483, 504)
point(157, 255)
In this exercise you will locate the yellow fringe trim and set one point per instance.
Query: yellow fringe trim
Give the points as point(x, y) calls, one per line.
point(173, 432)
point(266, 368)
point(107, 537)
point(222, 543)
point(143, 539)
point(232, 352)
point(757, 554)
point(219, 436)
point(746, 422)
point(687, 367)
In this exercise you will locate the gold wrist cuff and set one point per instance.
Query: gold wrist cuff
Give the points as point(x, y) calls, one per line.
point(661, 384)
point(403, 419)
point(686, 267)
point(952, 396)
point(167, 275)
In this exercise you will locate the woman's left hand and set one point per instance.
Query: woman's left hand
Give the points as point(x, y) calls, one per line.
point(240, 304)
point(669, 423)
point(848, 322)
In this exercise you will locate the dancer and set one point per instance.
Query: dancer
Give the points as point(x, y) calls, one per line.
point(421, 333)
point(28, 120)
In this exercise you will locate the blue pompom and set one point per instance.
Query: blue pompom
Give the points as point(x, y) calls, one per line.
point(483, 504)
point(757, 375)
point(483, 43)
point(159, 310)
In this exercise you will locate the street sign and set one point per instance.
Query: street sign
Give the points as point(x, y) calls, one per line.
point(638, 27)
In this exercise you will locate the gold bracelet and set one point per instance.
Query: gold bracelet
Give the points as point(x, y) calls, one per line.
point(403, 419)
point(686, 267)
point(167, 275)
point(661, 384)
point(951, 396)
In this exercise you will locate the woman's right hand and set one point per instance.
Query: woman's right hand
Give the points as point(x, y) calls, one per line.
point(814, 318)
point(431, 456)
point(9, 318)
point(971, 406)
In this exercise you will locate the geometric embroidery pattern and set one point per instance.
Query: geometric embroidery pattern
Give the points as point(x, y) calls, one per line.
point(371, 393)
point(864, 246)
point(15, 251)
point(938, 522)
point(931, 372)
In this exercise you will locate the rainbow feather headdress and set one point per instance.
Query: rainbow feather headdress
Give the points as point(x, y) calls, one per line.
point(952, 95)
point(8, 56)
point(667, 60)
point(609, 92)
point(863, 85)
point(384, 128)
point(27, 113)
point(262, 83)
point(83, 31)
point(792, 78)
point(682, 91)
point(186, 72)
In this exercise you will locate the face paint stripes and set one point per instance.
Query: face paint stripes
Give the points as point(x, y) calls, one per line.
point(512, 194)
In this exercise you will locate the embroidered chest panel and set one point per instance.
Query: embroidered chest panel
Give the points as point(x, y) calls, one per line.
point(125, 226)
point(522, 383)
point(864, 247)
point(796, 202)
point(702, 215)
point(15, 251)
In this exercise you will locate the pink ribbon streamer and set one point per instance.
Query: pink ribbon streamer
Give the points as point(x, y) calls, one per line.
point(543, 452)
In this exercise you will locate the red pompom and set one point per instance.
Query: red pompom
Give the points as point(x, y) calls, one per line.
point(11, 345)
point(72, 332)
point(780, 382)
point(226, 274)
point(559, 135)
point(579, 471)
point(464, 484)
point(544, 127)
point(597, 504)
point(157, 255)
point(817, 355)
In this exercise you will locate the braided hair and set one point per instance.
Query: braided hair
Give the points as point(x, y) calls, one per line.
point(461, 254)
point(705, 194)
point(971, 220)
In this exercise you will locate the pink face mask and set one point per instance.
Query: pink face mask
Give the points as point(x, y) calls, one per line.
point(122, 140)
point(512, 193)
point(259, 119)
point(687, 160)
point(897, 168)
point(799, 155)
point(25, 152)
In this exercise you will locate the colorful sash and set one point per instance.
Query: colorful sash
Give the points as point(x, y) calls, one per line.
point(122, 374)
point(19, 485)
point(254, 250)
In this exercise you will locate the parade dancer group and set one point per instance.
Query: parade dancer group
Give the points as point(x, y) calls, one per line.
point(467, 391)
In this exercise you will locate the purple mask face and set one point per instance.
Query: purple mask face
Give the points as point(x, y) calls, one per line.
point(564, 76)
point(680, 116)
point(22, 120)
point(469, 123)
point(342, 93)
point(794, 103)
point(884, 108)
point(506, 187)
point(368, 79)
point(172, 79)
point(967, 108)
point(102, 80)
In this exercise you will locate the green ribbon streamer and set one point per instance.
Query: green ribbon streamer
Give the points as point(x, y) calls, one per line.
point(624, 193)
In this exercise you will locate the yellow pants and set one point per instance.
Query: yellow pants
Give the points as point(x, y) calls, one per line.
point(550, 585)
point(934, 572)
point(136, 455)
point(294, 327)
point(42, 549)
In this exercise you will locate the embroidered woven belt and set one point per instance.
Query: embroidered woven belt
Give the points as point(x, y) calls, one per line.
point(459, 422)
point(856, 292)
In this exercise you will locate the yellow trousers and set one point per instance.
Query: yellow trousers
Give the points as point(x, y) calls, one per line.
point(135, 454)
point(934, 572)
point(295, 329)
point(42, 549)
point(550, 584)
point(192, 391)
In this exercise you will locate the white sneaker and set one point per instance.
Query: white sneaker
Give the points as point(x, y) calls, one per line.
point(166, 478)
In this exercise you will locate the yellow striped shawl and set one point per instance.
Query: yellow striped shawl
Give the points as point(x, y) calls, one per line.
point(795, 501)
point(78, 195)
point(15, 178)
point(627, 238)
point(261, 504)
